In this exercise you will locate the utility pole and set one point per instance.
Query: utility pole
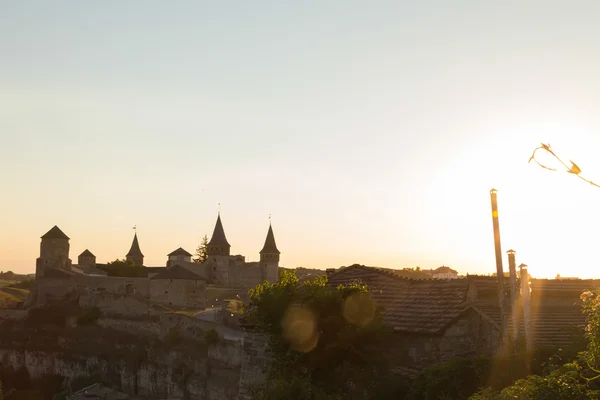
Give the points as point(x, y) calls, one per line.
point(499, 269)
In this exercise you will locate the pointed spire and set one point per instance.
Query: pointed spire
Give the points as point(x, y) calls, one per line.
point(218, 237)
point(270, 247)
point(135, 251)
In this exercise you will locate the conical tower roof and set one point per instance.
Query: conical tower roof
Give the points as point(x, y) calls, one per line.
point(270, 247)
point(55, 233)
point(218, 237)
point(87, 253)
point(135, 251)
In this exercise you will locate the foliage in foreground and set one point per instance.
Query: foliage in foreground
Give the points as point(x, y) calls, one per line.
point(325, 342)
point(575, 380)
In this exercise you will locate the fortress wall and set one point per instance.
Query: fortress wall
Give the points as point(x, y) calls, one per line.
point(115, 304)
point(179, 292)
point(249, 275)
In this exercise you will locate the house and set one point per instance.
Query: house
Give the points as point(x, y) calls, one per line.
point(434, 320)
point(439, 319)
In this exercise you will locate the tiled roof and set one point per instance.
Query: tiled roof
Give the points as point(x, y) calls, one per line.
point(428, 306)
point(417, 306)
point(563, 286)
point(177, 272)
point(86, 253)
point(179, 252)
point(90, 270)
point(55, 233)
point(57, 273)
point(270, 246)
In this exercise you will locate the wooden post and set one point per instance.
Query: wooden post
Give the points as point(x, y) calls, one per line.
point(499, 268)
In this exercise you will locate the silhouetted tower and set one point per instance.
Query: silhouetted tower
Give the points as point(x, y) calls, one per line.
point(269, 257)
point(218, 245)
point(135, 254)
point(54, 251)
point(218, 252)
point(86, 258)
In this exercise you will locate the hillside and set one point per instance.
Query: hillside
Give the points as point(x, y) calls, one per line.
point(9, 296)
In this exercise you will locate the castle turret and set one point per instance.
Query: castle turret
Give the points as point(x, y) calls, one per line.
point(218, 245)
point(269, 257)
point(54, 251)
point(178, 255)
point(135, 254)
point(269, 252)
point(86, 258)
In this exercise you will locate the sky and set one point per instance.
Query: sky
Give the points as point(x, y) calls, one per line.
point(371, 132)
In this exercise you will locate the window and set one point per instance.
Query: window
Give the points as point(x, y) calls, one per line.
point(129, 289)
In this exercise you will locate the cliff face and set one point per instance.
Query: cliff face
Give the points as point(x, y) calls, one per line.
point(133, 364)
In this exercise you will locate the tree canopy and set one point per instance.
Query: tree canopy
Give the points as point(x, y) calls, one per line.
point(201, 252)
point(124, 268)
point(325, 342)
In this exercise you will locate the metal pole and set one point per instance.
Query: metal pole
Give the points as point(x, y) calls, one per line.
point(499, 269)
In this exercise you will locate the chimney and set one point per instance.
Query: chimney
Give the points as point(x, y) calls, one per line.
point(499, 269)
point(525, 296)
point(512, 268)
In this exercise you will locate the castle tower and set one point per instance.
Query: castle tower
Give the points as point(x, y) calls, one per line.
point(86, 258)
point(269, 257)
point(218, 260)
point(135, 254)
point(54, 251)
point(218, 245)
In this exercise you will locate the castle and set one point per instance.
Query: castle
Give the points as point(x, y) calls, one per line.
point(181, 283)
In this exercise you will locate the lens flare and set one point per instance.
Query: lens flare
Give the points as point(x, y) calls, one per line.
point(300, 328)
point(359, 309)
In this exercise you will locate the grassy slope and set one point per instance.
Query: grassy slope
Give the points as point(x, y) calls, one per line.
point(12, 295)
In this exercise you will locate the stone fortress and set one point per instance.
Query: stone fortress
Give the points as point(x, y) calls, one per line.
point(180, 284)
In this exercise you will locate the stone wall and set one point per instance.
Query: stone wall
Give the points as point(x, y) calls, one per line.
point(467, 336)
point(184, 293)
point(254, 363)
point(56, 288)
point(113, 304)
point(150, 328)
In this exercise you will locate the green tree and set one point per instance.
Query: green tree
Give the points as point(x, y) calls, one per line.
point(574, 380)
point(325, 342)
point(201, 252)
point(124, 268)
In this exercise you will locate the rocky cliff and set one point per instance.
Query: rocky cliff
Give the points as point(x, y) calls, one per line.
point(172, 367)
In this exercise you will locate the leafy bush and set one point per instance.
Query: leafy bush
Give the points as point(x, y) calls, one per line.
point(211, 337)
point(88, 317)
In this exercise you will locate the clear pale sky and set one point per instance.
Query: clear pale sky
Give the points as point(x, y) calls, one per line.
point(371, 131)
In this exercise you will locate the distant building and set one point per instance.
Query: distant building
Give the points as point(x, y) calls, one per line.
point(442, 272)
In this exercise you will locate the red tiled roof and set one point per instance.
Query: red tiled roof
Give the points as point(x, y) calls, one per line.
point(418, 306)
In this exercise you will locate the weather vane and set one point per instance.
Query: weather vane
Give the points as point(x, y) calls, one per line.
point(573, 169)
point(135, 228)
point(219, 208)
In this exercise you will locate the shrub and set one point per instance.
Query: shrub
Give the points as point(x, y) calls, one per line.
point(89, 317)
point(211, 337)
